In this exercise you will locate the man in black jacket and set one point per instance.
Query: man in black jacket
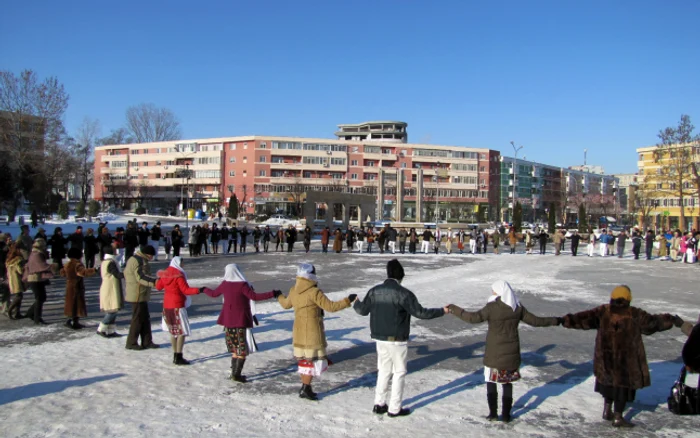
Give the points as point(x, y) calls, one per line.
point(156, 234)
point(575, 239)
point(144, 233)
point(391, 307)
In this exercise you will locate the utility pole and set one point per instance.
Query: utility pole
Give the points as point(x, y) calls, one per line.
point(515, 177)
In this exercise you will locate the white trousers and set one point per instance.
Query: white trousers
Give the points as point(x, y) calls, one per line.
point(603, 249)
point(472, 245)
point(391, 360)
point(359, 244)
point(392, 247)
point(591, 249)
point(425, 246)
point(155, 244)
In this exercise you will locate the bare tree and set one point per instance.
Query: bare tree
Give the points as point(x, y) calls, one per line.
point(643, 201)
point(87, 136)
point(31, 124)
point(116, 136)
point(147, 123)
point(296, 191)
point(676, 154)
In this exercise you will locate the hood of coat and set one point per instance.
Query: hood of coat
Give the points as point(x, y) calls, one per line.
point(169, 275)
point(304, 285)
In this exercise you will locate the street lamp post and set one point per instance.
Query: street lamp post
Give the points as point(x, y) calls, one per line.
point(515, 177)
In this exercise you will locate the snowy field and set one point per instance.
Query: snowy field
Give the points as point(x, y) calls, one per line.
point(61, 383)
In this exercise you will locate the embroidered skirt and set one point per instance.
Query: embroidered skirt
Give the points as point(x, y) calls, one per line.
point(176, 322)
point(501, 376)
point(236, 340)
point(312, 367)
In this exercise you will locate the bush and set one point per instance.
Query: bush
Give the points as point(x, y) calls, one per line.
point(80, 209)
point(63, 210)
point(233, 207)
point(140, 210)
point(93, 208)
point(582, 223)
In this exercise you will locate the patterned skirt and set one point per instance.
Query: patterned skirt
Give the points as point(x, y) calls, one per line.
point(501, 376)
point(176, 322)
point(236, 340)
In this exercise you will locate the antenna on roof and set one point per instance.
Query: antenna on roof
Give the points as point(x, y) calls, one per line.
point(585, 151)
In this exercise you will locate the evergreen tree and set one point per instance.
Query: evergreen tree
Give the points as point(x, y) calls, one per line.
point(233, 207)
point(80, 209)
point(93, 208)
point(552, 217)
point(63, 210)
point(582, 222)
point(518, 217)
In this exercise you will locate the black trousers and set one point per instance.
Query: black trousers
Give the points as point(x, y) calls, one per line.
point(37, 308)
point(635, 250)
point(649, 249)
point(324, 247)
point(574, 248)
point(235, 246)
point(290, 246)
point(402, 246)
point(15, 305)
point(412, 247)
point(176, 250)
point(89, 259)
point(543, 247)
point(140, 325)
point(266, 245)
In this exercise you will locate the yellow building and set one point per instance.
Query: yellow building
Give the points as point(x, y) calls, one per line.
point(662, 190)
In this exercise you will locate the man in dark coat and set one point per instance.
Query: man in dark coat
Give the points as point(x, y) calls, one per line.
point(291, 235)
point(144, 233)
point(575, 239)
point(156, 234)
point(176, 238)
point(77, 239)
point(649, 240)
point(543, 237)
point(131, 240)
point(619, 362)
point(266, 237)
point(390, 307)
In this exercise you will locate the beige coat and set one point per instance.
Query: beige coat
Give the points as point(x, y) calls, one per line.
point(139, 281)
point(309, 302)
point(111, 292)
point(15, 268)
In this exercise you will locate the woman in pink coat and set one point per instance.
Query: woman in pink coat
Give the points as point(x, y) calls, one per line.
point(236, 316)
point(684, 247)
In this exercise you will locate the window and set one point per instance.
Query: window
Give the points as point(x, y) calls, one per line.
point(245, 159)
point(245, 173)
point(232, 173)
point(403, 165)
point(641, 157)
point(482, 169)
point(263, 159)
point(134, 152)
point(157, 163)
point(373, 150)
point(263, 173)
point(232, 160)
point(232, 147)
point(158, 175)
point(353, 162)
point(207, 174)
point(245, 145)
point(370, 163)
point(307, 174)
point(208, 160)
point(353, 176)
point(355, 149)
point(338, 161)
point(263, 145)
point(285, 145)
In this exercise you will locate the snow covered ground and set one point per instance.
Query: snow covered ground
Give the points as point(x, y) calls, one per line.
point(57, 382)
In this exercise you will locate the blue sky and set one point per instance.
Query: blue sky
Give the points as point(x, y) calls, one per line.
point(554, 76)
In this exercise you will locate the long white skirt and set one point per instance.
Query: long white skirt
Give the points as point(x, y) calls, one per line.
point(184, 322)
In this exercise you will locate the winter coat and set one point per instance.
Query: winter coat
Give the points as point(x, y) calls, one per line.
point(235, 312)
point(402, 235)
point(194, 235)
point(427, 235)
point(131, 238)
point(620, 359)
point(137, 275)
point(291, 235)
point(676, 243)
point(15, 269)
point(337, 241)
point(309, 302)
point(496, 239)
point(77, 240)
point(111, 291)
point(176, 238)
point(90, 245)
point(143, 234)
point(558, 238)
point(502, 338)
point(58, 246)
point(512, 238)
point(266, 235)
point(156, 232)
point(37, 270)
point(24, 243)
point(663, 252)
point(543, 237)
point(74, 271)
point(391, 306)
point(175, 284)
point(216, 235)
point(307, 235)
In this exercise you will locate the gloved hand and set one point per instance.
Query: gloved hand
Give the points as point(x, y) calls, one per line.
point(560, 321)
point(255, 320)
point(276, 293)
point(352, 297)
point(677, 321)
point(201, 290)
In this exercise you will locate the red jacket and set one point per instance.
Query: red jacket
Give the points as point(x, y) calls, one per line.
point(236, 309)
point(176, 287)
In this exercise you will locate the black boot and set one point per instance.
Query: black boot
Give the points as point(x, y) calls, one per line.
point(236, 369)
point(179, 360)
point(493, 407)
point(607, 411)
point(77, 325)
point(619, 421)
point(307, 393)
point(507, 405)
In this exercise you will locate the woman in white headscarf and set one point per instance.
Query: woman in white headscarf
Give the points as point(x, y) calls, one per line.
point(175, 302)
point(309, 335)
point(502, 357)
point(237, 316)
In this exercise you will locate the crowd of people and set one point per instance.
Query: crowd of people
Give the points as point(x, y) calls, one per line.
point(620, 365)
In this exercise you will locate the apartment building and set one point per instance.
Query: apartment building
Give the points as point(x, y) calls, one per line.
point(661, 193)
point(271, 174)
point(386, 131)
point(538, 186)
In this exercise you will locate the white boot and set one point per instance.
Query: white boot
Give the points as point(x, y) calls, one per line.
point(103, 330)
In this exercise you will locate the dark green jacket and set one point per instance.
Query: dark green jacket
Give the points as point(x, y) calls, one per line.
point(502, 339)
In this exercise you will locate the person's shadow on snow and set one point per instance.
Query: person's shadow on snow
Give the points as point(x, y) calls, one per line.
point(577, 374)
point(10, 395)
